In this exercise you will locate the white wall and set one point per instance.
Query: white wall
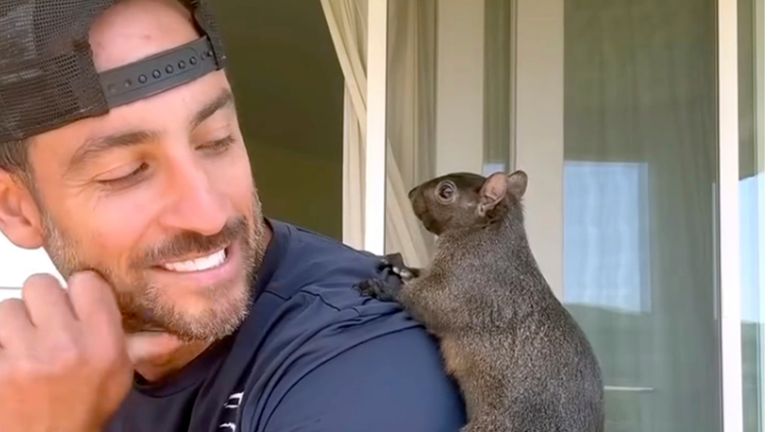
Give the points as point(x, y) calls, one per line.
point(537, 108)
point(6, 293)
point(460, 41)
point(16, 265)
point(539, 129)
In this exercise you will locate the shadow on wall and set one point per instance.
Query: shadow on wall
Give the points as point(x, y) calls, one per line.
point(289, 90)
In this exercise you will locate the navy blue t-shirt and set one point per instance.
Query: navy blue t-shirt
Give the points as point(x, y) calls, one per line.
point(313, 355)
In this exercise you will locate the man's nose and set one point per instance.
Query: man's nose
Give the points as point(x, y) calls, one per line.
point(196, 205)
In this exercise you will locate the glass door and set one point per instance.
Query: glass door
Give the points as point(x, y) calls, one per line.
point(752, 208)
point(640, 205)
point(612, 109)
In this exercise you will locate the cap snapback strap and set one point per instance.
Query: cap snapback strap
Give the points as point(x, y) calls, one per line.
point(159, 73)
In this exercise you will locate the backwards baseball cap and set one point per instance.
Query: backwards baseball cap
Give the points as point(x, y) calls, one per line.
point(48, 78)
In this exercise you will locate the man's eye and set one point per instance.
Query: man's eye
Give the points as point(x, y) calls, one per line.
point(123, 180)
point(220, 144)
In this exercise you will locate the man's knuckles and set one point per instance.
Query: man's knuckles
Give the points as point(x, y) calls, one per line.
point(88, 284)
point(12, 309)
point(47, 302)
point(65, 356)
point(15, 325)
point(40, 285)
point(85, 348)
point(92, 297)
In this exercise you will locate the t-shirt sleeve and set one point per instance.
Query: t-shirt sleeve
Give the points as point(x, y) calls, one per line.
point(394, 382)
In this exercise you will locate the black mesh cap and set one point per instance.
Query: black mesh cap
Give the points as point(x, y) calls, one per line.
point(47, 75)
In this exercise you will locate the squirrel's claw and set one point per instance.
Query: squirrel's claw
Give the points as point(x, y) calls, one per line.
point(396, 264)
point(379, 289)
point(405, 273)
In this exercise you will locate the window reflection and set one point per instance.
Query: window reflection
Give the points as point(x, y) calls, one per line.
point(606, 235)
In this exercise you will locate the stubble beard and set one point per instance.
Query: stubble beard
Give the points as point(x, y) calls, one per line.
point(144, 306)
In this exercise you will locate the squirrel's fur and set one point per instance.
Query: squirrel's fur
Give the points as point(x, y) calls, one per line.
point(520, 359)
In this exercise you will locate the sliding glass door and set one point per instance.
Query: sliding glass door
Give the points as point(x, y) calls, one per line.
point(752, 209)
point(619, 111)
point(640, 205)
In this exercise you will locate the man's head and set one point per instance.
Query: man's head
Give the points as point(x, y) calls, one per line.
point(157, 195)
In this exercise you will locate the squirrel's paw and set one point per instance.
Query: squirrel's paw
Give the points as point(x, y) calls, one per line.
point(395, 263)
point(378, 289)
point(405, 273)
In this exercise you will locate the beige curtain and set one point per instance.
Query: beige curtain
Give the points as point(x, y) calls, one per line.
point(347, 21)
point(408, 161)
point(411, 114)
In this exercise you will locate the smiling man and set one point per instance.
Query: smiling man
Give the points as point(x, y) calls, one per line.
point(186, 309)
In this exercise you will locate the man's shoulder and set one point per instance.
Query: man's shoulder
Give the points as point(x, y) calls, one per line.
point(395, 381)
point(314, 264)
point(312, 294)
point(320, 333)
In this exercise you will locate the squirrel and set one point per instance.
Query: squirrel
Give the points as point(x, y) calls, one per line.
point(521, 361)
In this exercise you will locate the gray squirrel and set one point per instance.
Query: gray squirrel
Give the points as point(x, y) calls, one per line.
point(521, 361)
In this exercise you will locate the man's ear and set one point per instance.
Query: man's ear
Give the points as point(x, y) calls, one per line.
point(19, 216)
point(518, 183)
point(493, 191)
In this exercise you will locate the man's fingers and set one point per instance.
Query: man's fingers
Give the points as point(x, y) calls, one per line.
point(47, 303)
point(151, 346)
point(93, 301)
point(15, 325)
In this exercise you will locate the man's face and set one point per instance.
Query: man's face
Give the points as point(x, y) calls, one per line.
point(157, 195)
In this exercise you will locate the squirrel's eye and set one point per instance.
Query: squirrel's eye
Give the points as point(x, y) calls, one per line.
point(445, 191)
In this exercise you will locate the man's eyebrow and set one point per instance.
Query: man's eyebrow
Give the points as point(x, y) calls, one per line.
point(223, 100)
point(95, 146)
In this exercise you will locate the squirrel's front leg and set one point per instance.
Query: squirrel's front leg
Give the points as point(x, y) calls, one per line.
point(380, 289)
point(423, 302)
point(396, 263)
point(389, 287)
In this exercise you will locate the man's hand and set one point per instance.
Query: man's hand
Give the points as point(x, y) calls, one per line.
point(64, 365)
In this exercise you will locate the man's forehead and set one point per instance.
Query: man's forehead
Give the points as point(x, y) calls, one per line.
point(133, 30)
point(122, 53)
point(72, 148)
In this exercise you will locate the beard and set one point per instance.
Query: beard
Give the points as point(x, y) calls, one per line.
point(147, 307)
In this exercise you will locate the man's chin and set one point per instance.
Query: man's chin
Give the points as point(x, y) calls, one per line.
point(190, 315)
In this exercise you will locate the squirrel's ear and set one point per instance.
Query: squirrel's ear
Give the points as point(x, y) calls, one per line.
point(493, 191)
point(518, 183)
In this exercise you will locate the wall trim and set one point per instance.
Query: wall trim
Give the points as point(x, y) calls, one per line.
point(729, 217)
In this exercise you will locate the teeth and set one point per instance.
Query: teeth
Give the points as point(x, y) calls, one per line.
point(199, 264)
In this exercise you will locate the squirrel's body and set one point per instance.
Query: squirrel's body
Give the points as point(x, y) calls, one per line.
point(521, 361)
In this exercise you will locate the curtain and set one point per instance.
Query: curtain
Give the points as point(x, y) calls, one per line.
point(410, 124)
point(411, 120)
point(347, 21)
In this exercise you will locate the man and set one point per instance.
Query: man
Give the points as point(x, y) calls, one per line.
point(185, 308)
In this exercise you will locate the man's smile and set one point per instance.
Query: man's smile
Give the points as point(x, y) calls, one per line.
point(199, 263)
point(213, 269)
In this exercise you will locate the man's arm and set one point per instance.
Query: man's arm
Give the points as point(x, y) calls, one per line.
point(393, 383)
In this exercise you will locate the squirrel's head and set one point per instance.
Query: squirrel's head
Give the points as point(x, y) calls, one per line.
point(465, 200)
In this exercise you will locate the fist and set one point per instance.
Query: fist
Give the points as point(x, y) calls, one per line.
point(63, 360)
